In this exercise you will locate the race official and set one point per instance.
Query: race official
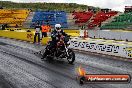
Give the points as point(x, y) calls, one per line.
point(45, 30)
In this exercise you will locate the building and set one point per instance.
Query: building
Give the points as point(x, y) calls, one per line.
point(128, 9)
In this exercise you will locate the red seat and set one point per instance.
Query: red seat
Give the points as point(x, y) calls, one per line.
point(100, 17)
point(82, 17)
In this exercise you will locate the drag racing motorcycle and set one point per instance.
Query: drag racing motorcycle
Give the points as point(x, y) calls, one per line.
point(61, 51)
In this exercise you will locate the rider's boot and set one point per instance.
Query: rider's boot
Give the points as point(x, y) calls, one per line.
point(43, 56)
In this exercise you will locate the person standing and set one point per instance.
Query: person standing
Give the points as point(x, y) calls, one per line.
point(4, 26)
point(37, 33)
point(45, 29)
point(49, 30)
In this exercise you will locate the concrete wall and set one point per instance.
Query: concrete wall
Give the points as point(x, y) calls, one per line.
point(108, 34)
point(116, 49)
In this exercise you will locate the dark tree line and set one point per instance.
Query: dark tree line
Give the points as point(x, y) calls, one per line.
point(68, 7)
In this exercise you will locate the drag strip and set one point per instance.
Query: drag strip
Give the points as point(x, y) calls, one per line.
point(52, 70)
point(20, 60)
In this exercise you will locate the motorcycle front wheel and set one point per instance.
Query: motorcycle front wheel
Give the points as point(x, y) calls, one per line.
point(71, 57)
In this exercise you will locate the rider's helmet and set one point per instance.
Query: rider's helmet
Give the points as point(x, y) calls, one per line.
point(58, 27)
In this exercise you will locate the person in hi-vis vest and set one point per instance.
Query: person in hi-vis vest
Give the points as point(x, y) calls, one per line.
point(45, 29)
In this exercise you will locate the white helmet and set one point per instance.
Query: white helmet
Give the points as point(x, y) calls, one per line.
point(57, 26)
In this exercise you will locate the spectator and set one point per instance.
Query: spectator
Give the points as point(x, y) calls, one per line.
point(37, 33)
point(1, 7)
point(16, 26)
point(6, 26)
point(3, 26)
point(45, 29)
point(49, 29)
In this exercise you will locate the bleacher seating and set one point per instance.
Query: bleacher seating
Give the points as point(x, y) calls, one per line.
point(13, 16)
point(100, 17)
point(91, 19)
point(53, 18)
point(82, 17)
point(122, 21)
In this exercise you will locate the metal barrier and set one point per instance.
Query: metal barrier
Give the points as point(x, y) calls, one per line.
point(28, 35)
point(110, 34)
point(18, 34)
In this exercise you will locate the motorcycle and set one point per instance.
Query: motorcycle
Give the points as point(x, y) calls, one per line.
point(61, 51)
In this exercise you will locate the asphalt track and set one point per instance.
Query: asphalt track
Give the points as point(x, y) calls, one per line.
point(21, 68)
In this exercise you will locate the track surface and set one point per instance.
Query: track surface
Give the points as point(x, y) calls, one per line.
point(21, 68)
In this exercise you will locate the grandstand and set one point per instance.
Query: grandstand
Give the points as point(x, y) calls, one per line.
point(103, 19)
point(82, 17)
point(13, 17)
point(52, 17)
point(100, 17)
point(120, 22)
point(91, 19)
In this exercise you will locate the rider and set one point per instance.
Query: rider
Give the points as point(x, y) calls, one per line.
point(55, 35)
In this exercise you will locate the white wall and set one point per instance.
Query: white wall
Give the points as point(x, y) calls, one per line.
point(100, 47)
point(107, 34)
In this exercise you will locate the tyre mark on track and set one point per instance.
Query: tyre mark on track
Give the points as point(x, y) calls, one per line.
point(5, 83)
point(5, 52)
point(22, 49)
point(32, 52)
point(36, 64)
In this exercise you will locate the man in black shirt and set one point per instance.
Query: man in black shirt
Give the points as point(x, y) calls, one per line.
point(37, 33)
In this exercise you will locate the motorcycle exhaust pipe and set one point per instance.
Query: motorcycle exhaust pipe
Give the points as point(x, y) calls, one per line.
point(50, 56)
